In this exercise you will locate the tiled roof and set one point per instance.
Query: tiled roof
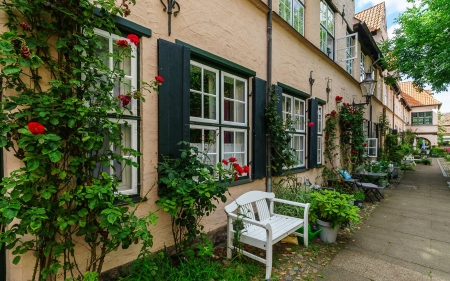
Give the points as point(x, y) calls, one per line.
point(410, 100)
point(373, 16)
point(423, 98)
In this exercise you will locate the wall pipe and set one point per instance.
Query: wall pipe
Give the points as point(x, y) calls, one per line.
point(268, 94)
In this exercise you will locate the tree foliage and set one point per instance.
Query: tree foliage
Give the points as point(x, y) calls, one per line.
point(420, 48)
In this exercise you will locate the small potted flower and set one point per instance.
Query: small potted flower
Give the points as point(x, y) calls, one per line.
point(359, 198)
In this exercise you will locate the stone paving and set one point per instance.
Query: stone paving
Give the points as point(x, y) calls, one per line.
point(406, 238)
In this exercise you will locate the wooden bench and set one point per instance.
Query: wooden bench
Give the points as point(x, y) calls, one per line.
point(267, 230)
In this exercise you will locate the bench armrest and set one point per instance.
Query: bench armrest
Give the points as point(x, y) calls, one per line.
point(305, 205)
point(247, 220)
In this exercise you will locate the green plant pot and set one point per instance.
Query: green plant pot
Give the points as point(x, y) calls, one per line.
point(311, 234)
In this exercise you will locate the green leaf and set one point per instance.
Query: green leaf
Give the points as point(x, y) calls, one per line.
point(54, 121)
point(71, 122)
point(6, 46)
point(93, 203)
point(10, 69)
point(55, 156)
point(85, 138)
point(32, 164)
point(27, 197)
point(16, 260)
point(53, 137)
point(62, 175)
point(10, 106)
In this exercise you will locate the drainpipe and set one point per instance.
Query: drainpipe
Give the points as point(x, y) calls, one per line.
point(268, 92)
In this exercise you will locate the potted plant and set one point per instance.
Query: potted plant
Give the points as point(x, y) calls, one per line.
point(330, 209)
point(359, 198)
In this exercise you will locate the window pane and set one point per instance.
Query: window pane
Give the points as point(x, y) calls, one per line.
point(124, 87)
point(234, 145)
point(195, 105)
point(209, 82)
point(125, 64)
point(196, 78)
point(240, 90)
point(240, 112)
point(228, 110)
point(122, 171)
point(228, 87)
point(103, 50)
point(210, 107)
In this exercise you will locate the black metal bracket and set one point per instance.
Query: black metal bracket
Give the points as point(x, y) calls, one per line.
point(343, 14)
point(170, 10)
point(328, 88)
point(363, 103)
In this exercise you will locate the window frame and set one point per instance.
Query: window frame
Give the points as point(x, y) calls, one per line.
point(319, 133)
point(202, 119)
point(325, 29)
point(362, 67)
point(220, 124)
point(131, 116)
point(301, 131)
point(290, 18)
point(373, 147)
point(423, 118)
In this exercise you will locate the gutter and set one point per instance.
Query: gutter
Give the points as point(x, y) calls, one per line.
point(268, 93)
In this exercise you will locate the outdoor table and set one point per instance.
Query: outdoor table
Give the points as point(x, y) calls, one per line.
point(371, 177)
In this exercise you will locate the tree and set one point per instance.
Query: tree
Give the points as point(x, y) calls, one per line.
point(420, 48)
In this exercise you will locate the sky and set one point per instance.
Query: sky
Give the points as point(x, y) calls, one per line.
point(393, 9)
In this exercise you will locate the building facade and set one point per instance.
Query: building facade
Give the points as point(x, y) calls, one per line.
point(219, 60)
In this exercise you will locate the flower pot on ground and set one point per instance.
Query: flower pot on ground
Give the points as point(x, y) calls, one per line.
point(328, 233)
point(334, 208)
point(359, 198)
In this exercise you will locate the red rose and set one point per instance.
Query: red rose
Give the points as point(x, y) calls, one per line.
point(347, 159)
point(122, 43)
point(328, 115)
point(347, 123)
point(238, 168)
point(159, 79)
point(232, 159)
point(25, 52)
point(24, 26)
point(133, 39)
point(246, 169)
point(365, 144)
point(333, 112)
point(224, 161)
point(36, 128)
point(326, 139)
point(310, 124)
point(125, 99)
point(236, 177)
point(338, 98)
point(353, 151)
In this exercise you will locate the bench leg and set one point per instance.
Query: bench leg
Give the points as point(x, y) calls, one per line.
point(269, 258)
point(229, 240)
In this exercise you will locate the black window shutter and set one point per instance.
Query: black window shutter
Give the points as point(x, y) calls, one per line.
point(312, 133)
point(173, 97)
point(259, 128)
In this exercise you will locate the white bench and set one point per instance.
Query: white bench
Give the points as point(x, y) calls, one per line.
point(268, 230)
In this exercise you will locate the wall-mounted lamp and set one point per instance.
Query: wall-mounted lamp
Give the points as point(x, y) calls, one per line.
point(328, 88)
point(367, 88)
point(169, 8)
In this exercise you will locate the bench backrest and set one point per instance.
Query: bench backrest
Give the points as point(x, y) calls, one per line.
point(246, 203)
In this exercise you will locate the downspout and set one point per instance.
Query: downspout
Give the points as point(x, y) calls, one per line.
point(268, 94)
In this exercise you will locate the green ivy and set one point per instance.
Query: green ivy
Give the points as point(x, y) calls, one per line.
point(55, 118)
point(280, 134)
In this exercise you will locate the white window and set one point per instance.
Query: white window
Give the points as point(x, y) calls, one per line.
point(128, 65)
point(225, 136)
point(319, 134)
point(319, 120)
point(319, 150)
point(293, 11)
point(294, 108)
point(362, 71)
point(347, 50)
point(126, 174)
point(203, 97)
point(206, 140)
point(326, 30)
point(372, 147)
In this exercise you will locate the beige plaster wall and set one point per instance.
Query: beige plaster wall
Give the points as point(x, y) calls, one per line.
point(234, 30)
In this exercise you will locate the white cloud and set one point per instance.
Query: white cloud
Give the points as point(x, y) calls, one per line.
point(391, 30)
point(444, 97)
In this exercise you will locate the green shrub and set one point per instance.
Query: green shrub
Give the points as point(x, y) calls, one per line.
point(291, 192)
point(333, 207)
